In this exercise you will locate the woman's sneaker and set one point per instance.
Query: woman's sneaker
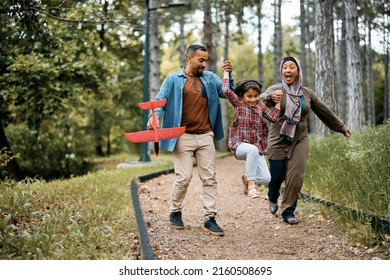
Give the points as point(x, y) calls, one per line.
point(210, 226)
point(291, 220)
point(175, 220)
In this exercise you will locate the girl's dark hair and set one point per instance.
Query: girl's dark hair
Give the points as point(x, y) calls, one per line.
point(244, 85)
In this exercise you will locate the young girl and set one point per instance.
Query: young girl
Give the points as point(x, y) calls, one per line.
point(249, 131)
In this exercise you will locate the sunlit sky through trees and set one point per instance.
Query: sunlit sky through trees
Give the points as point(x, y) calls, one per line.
point(290, 16)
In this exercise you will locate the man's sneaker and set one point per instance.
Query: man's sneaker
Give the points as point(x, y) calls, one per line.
point(175, 220)
point(210, 226)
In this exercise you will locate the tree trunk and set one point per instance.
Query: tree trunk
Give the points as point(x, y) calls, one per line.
point(310, 77)
point(222, 145)
point(154, 57)
point(303, 38)
point(108, 144)
point(324, 59)
point(211, 65)
point(154, 50)
point(277, 39)
point(97, 116)
point(386, 94)
point(260, 65)
point(341, 62)
point(182, 46)
point(208, 36)
point(354, 71)
point(97, 120)
point(305, 51)
point(370, 79)
point(12, 167)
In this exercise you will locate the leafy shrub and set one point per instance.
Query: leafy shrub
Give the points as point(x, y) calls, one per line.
point(51, 154)
point(5, 157)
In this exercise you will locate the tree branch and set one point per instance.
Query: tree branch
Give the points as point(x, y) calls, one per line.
point(71, 20)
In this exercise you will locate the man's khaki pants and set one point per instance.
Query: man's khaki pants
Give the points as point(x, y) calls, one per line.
point(201, 147)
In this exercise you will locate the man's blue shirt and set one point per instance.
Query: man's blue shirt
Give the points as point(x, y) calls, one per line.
point(172, 90)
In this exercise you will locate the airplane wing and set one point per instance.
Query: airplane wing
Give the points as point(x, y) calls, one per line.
point(140, 136)
point(149, 135)
point(152, 104)
point(168, 133)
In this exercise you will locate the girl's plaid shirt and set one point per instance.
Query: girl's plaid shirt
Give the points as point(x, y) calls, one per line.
point(249, 123)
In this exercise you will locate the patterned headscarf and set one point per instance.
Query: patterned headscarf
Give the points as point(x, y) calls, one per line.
point(292, 113)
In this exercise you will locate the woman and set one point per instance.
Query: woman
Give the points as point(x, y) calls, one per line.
point(248, 132)
point(288, 145)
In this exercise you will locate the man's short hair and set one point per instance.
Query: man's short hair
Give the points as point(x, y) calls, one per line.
point(191, 50)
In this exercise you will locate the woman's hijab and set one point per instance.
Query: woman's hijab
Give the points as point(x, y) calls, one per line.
point(294, 92)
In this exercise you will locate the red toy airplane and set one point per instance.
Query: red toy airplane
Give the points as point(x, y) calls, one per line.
point(156, 134)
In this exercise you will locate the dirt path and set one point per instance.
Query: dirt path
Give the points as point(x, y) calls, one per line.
point(251, 232)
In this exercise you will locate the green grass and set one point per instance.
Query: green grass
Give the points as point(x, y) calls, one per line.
point(354, 173)
point(87, 217)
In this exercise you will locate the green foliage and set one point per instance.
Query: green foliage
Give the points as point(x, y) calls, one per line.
point(5, 157)
point(353, 172)
point(88, 217)
point(69, 87)
point(55, 153)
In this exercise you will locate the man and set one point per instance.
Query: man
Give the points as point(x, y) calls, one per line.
point(192, 96)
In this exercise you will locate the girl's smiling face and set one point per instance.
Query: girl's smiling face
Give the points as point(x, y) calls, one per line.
point(251, 97)
point(289, 72)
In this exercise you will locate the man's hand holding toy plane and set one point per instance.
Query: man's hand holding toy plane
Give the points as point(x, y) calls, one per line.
point(155, 134)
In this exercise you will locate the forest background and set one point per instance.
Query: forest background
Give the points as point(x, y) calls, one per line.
point(73, 72)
